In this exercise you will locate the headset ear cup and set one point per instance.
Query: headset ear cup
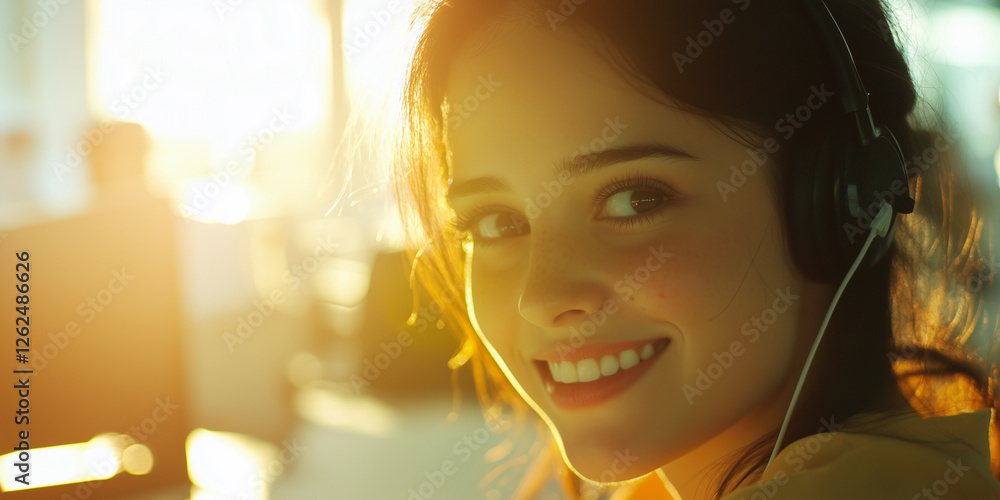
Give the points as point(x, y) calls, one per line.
point(816, 172)
point(828, 219)
point(880, 175)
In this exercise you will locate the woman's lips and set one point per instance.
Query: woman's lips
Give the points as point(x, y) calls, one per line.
point(592, 374)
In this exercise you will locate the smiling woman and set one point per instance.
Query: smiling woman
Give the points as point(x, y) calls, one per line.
point(623, 227)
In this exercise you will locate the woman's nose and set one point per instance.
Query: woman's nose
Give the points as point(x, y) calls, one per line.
point(562, 285)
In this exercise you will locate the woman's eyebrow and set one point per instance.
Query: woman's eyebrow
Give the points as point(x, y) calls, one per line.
point(580, 163)
point(589, 162)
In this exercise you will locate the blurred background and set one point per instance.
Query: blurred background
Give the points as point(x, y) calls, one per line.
point(217, 309)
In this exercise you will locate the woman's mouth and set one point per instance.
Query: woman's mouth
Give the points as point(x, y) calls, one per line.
point(594, 373)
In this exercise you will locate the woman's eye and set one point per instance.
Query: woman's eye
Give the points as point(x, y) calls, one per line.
point(501, 225)
point(626, 202)
point(633, 202)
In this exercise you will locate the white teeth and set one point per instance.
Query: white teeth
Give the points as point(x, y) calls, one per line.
point(588, 370)
point(647, 352)
point(568, 371)
point(609, 365)
point(628, 359)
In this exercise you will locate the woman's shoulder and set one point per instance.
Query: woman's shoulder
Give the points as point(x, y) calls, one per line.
point(909, 457)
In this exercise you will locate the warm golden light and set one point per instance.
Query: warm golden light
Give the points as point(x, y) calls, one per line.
point(229, 465)
point(102, 456)
point(207, 202)
point(200, 494)
point(343, 281)
point(197, 85)
point(137, 459)
point(375, 41)
point(324, 405)
point(98, 459)
point(303, 368)
point(236, 107)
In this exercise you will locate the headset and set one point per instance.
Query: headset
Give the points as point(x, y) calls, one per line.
point(846, 176)
point(845, 192)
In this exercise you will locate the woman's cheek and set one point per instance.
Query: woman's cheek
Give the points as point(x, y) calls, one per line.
point(494, 306)
point(685, 283)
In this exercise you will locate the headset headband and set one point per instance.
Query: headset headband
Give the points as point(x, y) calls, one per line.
point(854, 97)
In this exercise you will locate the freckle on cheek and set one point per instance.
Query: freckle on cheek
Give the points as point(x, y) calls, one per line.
point(661, 295)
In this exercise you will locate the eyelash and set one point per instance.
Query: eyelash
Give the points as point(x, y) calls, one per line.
point(465, 223)
point(633, 182)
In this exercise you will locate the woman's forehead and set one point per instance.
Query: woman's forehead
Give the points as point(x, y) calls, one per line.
point(538, 98)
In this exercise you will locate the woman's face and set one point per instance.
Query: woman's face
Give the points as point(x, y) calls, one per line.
point(641, 299)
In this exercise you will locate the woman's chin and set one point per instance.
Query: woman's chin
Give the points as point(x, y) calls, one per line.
point(607, 466)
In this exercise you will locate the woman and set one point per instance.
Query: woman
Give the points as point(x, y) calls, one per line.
point(604, 184)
